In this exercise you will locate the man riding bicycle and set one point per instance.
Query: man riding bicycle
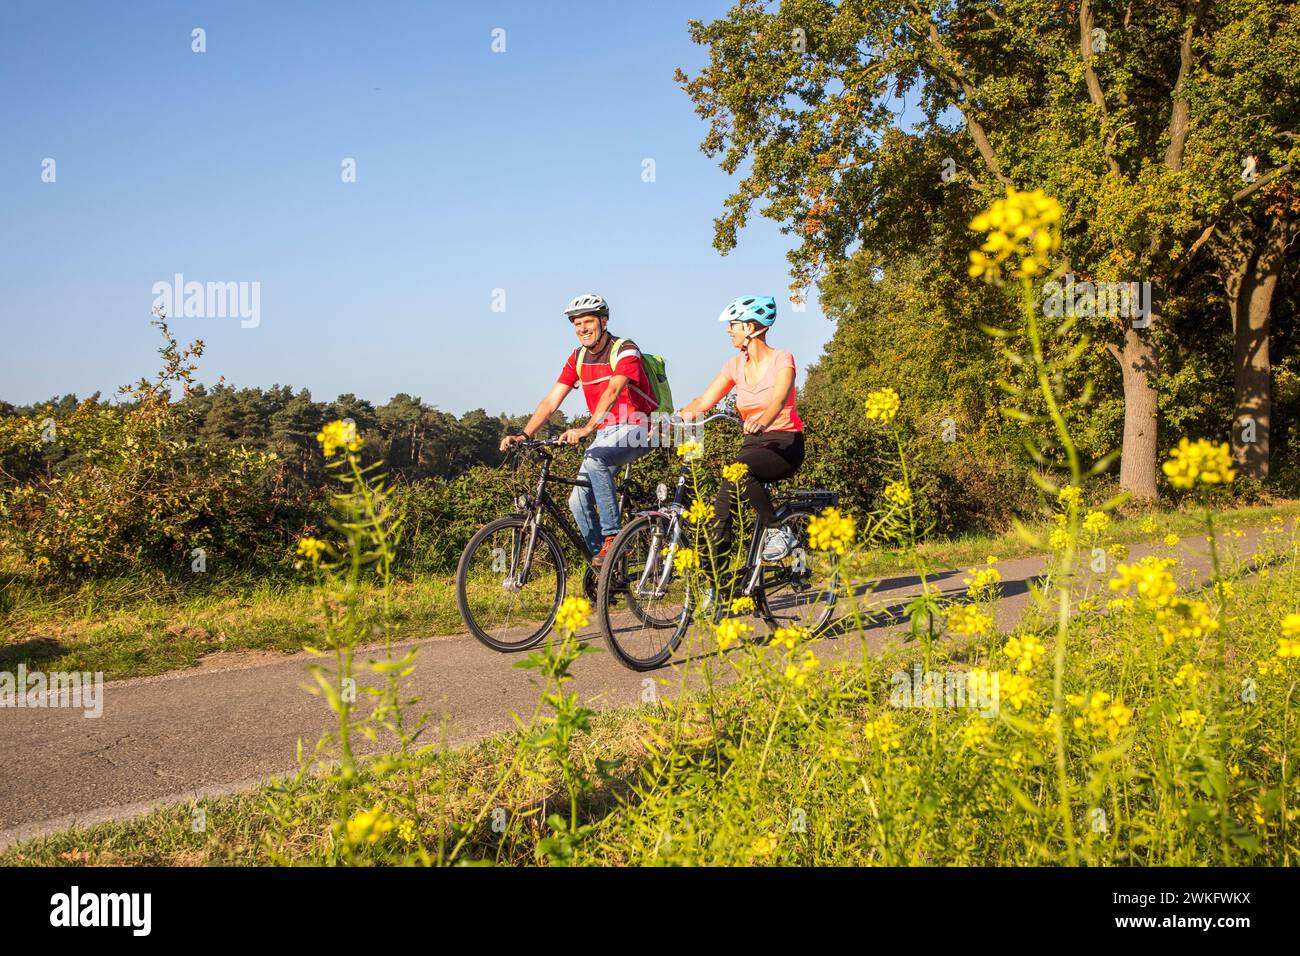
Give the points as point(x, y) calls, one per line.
point(619, 397)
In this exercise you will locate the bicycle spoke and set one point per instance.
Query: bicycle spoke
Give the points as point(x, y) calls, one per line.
point(510, 585)
point(646, 599)
point(802, 589)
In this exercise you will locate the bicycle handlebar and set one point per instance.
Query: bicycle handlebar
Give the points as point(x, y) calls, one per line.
point(712, 418)
point(543, 443)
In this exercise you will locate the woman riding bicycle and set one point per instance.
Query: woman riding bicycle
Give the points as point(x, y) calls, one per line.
point(773, 446)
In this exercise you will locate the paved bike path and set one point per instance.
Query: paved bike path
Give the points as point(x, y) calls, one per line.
point(198, 734)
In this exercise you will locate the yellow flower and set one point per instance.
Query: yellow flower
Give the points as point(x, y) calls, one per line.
point(736, 472)
point(1150, 578)
point(1120, 604)
point(1118, 551)
point(684, 558)
point(1023, 227)
point(573, 614)
point(406, 830)
point(1189, 675)
point(882, 405)
point(742, 605)
point(699, 512)
point(789, 637)
point(897, 492)
point(1102, 716)
point(1149, 526)
point(1271, 668)
point(1185, 619)
point(1026, 650)
point(983, 579)
point(968, 621)
point(1016, 689)
point(1069, 495)
point(991, 559)
point(728, 631)
point(798, 673)
point(1095, 522)
point(1288, 647)
point(369, 826)
point(1190, 719)
point(339, 434)
point(1172, 539)
point(1059, 539)
point(1199, 461)
point(311, 548)
point(764, 845)
point(976, 732)
point(690, 450)
point(1291, 626)
point(883, 732)
point(831, 531)
point(1224, 590)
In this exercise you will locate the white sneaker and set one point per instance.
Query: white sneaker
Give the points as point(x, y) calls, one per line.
point(778, 543)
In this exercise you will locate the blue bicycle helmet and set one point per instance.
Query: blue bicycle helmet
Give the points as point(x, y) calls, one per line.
point(751, 308)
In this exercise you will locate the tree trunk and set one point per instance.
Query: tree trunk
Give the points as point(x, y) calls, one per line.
point(1250, 280)
point(1137, 463)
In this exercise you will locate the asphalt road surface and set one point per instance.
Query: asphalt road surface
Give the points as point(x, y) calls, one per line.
point(203, 733)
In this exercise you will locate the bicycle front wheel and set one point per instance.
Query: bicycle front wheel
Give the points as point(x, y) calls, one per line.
point(643, 605)
point(510, 583)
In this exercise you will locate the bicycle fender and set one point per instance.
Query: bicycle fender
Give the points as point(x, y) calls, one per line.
point(655, 513)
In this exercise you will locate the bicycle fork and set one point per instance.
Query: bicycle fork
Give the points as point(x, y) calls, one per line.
point(656, 569)
point(521, 564)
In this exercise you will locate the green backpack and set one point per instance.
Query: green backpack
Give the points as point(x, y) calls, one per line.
point(656, 370)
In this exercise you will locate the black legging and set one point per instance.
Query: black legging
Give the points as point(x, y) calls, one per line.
point(770, 456)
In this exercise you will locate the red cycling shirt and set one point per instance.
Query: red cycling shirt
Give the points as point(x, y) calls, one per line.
point(637, 398)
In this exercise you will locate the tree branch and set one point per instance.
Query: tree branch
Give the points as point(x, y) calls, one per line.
point(1180, 113)
point(956, 78)
point(1094, 84)
point(1207, 233)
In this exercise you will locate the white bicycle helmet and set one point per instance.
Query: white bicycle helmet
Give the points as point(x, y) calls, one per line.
point(587, 303)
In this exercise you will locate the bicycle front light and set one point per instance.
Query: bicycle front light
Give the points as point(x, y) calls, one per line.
point(522, 502)
point(661, 492)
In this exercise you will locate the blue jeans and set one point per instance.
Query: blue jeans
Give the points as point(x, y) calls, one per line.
point(595, 509)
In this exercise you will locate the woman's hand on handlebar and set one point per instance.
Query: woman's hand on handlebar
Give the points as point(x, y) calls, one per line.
point(753, 426)
point(512, 440)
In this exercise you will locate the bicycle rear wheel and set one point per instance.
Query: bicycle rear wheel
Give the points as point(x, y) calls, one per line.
point(507, 592)
point(643, 607)
point(801, 589)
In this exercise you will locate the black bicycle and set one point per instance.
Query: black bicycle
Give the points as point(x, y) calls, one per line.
point(645, 603)
point(513, 575)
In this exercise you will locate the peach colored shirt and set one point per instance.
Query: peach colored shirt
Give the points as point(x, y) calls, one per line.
point(751, 400)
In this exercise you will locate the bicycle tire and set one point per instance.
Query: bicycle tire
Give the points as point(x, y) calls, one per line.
point(532, 633)
point(818, 621)
point(613, 585)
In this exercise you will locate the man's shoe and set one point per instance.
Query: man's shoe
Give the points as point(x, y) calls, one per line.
point(599, 559)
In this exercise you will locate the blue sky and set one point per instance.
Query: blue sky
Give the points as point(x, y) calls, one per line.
point(476, 171)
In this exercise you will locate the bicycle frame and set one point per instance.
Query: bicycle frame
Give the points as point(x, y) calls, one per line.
point(541, 503)
point(672, 513)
